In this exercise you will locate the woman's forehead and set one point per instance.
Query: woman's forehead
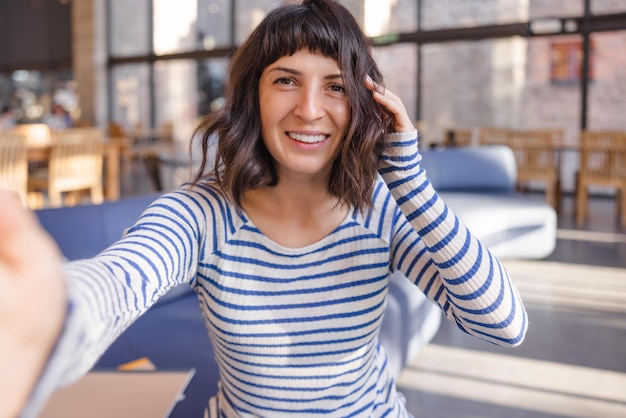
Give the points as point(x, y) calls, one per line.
point(303, 53)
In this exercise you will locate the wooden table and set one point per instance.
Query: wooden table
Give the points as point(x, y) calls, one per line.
point(113, 151)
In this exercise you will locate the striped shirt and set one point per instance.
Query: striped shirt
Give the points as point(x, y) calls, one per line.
point(294, 330)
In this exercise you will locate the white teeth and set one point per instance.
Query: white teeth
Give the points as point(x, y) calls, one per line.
point(309, 139)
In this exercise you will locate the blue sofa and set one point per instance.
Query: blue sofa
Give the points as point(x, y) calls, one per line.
point(477, 183)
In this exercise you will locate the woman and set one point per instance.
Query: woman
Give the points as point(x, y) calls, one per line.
point(316, 196)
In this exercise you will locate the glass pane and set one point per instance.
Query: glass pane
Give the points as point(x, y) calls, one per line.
point(608, 6)
point(440, 14)
point(129, 27)
point(5, 92)
point(383, 17)
point(403, 16)
point(34, 96)
point(555, 8)
point(175, 26)
point(214, 24)
point(503, 82)
point(248, 14)
point(606, 91)
point(398, 63)
point(211, 78)
point(177, 83)
point(130, 95)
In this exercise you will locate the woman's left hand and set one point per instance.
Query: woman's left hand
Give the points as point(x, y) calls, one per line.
point(393, 104)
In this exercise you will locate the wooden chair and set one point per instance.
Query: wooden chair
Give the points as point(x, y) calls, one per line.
point(493, 135)
point(14, 164)
point(536, 156)
point(115, 130)
point(458, 138)
point(37, 134)
point(602, 163)
point(75, 165)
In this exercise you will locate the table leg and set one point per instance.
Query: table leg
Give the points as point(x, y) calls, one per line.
point(112, 173)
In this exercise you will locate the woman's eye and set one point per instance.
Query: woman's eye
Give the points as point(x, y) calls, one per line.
point(284, 80)
point(337, 88)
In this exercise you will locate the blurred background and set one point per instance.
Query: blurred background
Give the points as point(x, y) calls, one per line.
point(458, 64)
point(146, 71)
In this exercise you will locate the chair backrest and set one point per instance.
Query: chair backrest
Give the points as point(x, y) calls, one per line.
point(76, 158)
point(14, 164)
point(603, 157)
point(37, 134)
point(167, 132)
point(115, 130)
point(492, 135)
point(458, 137)
point(535, 153)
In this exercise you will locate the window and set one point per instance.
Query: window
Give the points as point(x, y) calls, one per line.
point(130, 95)
point(129, 34)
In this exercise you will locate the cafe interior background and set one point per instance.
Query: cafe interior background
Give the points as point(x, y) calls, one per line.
point(139, 68)
point(457, 64)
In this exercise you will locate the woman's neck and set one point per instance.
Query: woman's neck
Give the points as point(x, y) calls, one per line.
point(294, 214)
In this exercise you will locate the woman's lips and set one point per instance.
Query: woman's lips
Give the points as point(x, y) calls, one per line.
point(307, 138)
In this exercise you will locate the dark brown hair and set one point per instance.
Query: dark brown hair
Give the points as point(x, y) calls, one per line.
point(242, 161)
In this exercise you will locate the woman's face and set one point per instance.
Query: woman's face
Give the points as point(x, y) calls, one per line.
point(304, 113)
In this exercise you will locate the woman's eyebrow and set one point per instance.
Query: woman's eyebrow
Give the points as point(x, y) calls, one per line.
point(296, 72)
point(286, 70)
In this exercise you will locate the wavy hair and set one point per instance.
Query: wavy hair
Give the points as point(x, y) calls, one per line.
point(242, 161)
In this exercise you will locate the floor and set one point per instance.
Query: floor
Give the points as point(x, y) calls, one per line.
point(573, 360)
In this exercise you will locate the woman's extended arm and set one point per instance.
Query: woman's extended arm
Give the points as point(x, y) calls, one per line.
point(98, 297)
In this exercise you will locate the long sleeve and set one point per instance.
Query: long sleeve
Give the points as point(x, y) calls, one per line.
point(444, 259)
point(107, 293)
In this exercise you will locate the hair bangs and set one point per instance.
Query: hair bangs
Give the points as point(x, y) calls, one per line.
point(309, 28)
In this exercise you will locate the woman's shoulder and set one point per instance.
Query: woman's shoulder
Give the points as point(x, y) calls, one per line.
point(383, 213)
point(199, 199)
point(201, 209)
point(381, 196)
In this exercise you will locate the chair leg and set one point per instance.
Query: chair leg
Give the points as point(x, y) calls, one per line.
point(621, 204)
point(558, 196)
point(72, 198)
point(581, 205)
point(97, 194)
point(55, 197)
point(551, 195)
point(35, 200)
point(153, 168)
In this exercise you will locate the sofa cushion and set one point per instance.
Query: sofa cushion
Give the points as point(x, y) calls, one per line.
point(481, 168)
point(511, 225)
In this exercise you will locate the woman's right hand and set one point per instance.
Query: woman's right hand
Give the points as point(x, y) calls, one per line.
point(32, 302)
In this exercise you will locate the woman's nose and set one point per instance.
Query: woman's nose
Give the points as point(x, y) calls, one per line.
point(310, 105)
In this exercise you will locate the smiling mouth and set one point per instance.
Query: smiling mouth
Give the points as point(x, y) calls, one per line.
point(307, 139)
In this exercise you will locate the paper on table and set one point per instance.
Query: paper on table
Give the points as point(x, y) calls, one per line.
point(129, 394)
